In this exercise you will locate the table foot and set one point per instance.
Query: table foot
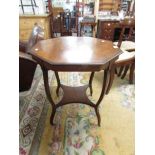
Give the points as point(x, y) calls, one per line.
point(52, 115)
point(98, 116)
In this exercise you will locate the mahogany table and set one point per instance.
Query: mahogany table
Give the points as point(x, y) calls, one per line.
point(75, 54)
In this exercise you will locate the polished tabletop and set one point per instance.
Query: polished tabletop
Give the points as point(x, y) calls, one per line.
point(75, 50)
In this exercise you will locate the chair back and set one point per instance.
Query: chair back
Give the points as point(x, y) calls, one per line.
point(130, 25)
point(36, 35)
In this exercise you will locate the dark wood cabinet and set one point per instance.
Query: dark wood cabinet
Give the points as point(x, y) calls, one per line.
point(104, 30)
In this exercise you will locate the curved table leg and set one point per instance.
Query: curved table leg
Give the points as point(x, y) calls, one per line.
point(52, 115)
point(48, 93)
point(82, 98)
point(104, 87)
point(58, 82)
point(90, 82)
point(111, 79)
point(98, 115)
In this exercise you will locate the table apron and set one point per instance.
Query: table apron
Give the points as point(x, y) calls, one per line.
point(75, 67)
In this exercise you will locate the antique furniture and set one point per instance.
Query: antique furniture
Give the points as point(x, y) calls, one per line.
point(87, 23)
point(106, 29)
point(65, 24)
point(26, 23)
point(126, 60)
point(111, 30)
point(126, 40)
point(75, 54)
point(27, 65)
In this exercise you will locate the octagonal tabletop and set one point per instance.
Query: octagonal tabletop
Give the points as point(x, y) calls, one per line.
point(75, 51)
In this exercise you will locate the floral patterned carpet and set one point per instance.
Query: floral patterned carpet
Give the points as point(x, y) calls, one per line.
point(76, 131)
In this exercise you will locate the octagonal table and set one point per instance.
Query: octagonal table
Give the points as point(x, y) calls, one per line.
point(75, 54)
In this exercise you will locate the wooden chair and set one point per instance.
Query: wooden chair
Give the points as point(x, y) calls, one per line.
point(27, 65)
point(126, 40)
point(126, 60)
point(127, 46)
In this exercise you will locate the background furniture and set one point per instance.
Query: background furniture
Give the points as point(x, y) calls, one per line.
point(126, 60)
point(65, 24)
point(27, 65)
point(87, 23)
point(85, 54)
point(106, 29)
point(126, 40)
point(55, 15)
point(111, 29)
point(26, 23)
